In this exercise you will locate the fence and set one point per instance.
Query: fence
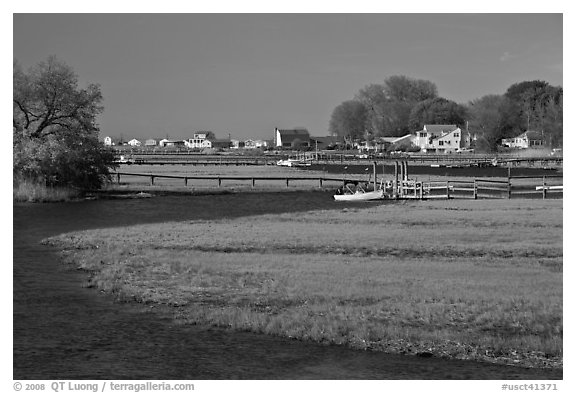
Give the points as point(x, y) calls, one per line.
point(219, 180)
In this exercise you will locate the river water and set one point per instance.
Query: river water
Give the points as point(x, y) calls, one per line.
point(65, 331)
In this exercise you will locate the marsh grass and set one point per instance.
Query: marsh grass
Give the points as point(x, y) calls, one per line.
point(29, 191)
point(460, 279)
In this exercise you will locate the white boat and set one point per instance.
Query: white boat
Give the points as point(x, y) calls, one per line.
point(291, 162)
point(541, 188)
point(359, 194)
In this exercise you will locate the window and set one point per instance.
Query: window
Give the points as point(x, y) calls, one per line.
point(440, 143)
point(456, 135)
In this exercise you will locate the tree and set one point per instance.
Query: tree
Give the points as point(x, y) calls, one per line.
point(389, 104)
point(531, 104)
point(55, 135)
point(437, 111)
point(486, 120)
point(348, 120)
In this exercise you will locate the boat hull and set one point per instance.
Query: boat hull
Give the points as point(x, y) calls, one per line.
point(361, 196)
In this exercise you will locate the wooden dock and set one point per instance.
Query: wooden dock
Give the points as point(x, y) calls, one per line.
point(480, 188)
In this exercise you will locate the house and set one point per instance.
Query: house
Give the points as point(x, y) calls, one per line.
point(171, 143)
point(255, 144)
point(152, 142)
point(134, 142)
point(439, 138)
point(292, 138)
point(526, 140)
point(113, 141)
point(234, 144)
point(199, 141)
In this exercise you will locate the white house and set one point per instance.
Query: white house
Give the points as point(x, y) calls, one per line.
point(234, 144)
point(108, 141)
point(528, 139)
point(134, 142)
point(255, 144)
point(199, 141)
point(439, 138)
point(151, 142)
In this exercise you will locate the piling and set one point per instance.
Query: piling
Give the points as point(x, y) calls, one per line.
point(374, 170)
point(406, 170)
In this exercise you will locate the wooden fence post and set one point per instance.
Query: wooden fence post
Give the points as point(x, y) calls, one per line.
point(219, 182)
point(253, 182)
point(543, 187)
point(320, 182)
point(447, 189)
point(475, 192)
point(185, 181)
point(152, 180)
point(287, 180)
point(118, 177)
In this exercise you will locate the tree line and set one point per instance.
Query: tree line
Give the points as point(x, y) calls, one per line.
point(403, 105)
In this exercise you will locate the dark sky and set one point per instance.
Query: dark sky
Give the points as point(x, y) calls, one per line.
point(244, 74)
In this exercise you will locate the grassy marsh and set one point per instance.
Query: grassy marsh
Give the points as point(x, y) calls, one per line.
point(459, 278)
point(29, 191)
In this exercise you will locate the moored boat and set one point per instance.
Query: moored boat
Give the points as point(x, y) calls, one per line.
point(361, 196)
point(358, 193)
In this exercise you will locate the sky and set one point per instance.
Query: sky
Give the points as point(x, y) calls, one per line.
point(243, 75)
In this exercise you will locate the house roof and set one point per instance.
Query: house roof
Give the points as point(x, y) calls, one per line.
point(439, 128)
point(394, 139)
point(294, 131)
point(533, 135)
point(290, 135)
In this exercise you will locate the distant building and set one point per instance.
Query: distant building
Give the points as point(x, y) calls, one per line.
point(171, 143)
point(199, 141)
point(526, 140)
point(108, 141)
point(292, 138)
point(234, 144)
point(134, 142)
point(255, 144)
point(439, 138)
point(151, 142)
